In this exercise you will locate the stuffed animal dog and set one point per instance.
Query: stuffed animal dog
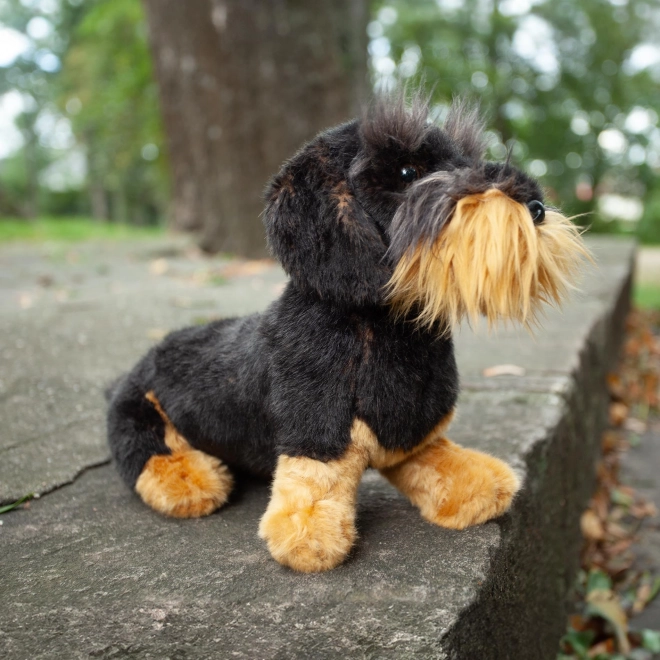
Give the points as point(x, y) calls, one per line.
point(391, 230)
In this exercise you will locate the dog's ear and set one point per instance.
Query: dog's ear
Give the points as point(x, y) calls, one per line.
point(317, 229)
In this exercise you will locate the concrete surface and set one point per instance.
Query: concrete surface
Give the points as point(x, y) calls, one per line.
point(88, 571)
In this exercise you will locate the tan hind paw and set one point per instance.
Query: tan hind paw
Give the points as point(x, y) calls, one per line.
point(456, 487)
point(184, 484)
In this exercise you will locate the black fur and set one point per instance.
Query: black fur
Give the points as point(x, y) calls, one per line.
point(293, 379)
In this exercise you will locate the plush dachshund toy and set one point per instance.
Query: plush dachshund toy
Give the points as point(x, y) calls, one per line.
point(391, 230)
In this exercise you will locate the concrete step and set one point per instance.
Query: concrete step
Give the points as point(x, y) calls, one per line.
point(88, 571)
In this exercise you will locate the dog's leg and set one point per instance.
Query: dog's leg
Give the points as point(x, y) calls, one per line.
point(186, 483)
point(166, 472)
point(453, 486)
point(309, 524)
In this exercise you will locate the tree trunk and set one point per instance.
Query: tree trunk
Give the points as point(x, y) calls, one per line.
point(98, 200)
point(98, 194)
point(31, 166)
point(243, 83)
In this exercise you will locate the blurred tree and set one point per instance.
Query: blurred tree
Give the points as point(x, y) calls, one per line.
point(86, 69)
point(31, 74)
point(570, 86)
point(108, 91)
point(242, 85)
point(558, 79)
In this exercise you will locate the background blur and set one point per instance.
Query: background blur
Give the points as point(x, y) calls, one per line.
point(168, 113)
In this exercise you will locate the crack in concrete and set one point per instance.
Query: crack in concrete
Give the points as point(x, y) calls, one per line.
point(55, 487)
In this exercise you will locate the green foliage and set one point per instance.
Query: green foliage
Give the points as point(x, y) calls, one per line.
point(551, 80)
point(32, 75)
point(13, 184)
point(70, 229)
point(93, 68)
point(10, 507)
point(651, 640)
point(580, 642)
point(647, 296)
point(598, 580)
point(649, 225)
point(108, 90)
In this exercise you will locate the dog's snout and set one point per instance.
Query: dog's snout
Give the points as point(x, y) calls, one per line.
point(537, 210)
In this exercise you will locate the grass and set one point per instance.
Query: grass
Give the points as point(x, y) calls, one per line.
point(647, 296)
point(70, 229)
point(14, 505)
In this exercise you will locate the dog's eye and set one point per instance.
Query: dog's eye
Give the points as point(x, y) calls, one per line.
point(408, 174)
point(537, 210)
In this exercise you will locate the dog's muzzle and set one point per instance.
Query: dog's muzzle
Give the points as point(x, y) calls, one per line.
point(458, 251)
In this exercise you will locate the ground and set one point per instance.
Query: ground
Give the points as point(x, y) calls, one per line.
point(92, 572)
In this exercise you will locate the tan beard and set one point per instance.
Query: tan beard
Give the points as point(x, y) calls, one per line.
point(490, 260)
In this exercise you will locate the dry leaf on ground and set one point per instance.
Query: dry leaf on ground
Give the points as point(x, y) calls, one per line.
point(503, 370)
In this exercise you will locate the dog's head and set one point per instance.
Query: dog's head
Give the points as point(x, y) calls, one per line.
point(394, 210)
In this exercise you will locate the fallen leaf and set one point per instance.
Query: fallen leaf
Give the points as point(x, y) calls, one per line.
point(616, 531)
point(604, 603)
point(655, 589)
point(616, 387)
point(158, 266)
point(651, 640)
point(619, 564)
point(504, 370)
point(578, 622)
point(600, 503)
point(156, 333)
point(591, 526)
point(646, 591)
point(642, 597)
point(578, 641)
point(622, 496)
point(635, 425)
point(619, 547)
point(598, 581)
point(643, 509)
point(250, 267)
point(611, 441)
point(25, 301)
point(618, 413)
point(606, 647)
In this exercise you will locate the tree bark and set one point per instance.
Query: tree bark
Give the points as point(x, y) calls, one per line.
point(30, 138)
point(243, 83)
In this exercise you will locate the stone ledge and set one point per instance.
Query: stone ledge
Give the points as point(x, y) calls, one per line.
point(88, 571)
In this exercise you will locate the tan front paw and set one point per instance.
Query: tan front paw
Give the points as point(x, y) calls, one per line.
point(480, 487)
point(456, 487)
point(311, 538)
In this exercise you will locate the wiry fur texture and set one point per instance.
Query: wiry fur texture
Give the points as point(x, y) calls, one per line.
point(465, 127)
point(336, 375)
point(309, 524)
point(489, 260)
point(455, 487)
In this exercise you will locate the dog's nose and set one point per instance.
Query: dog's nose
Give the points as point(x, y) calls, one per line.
point(537, 210)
